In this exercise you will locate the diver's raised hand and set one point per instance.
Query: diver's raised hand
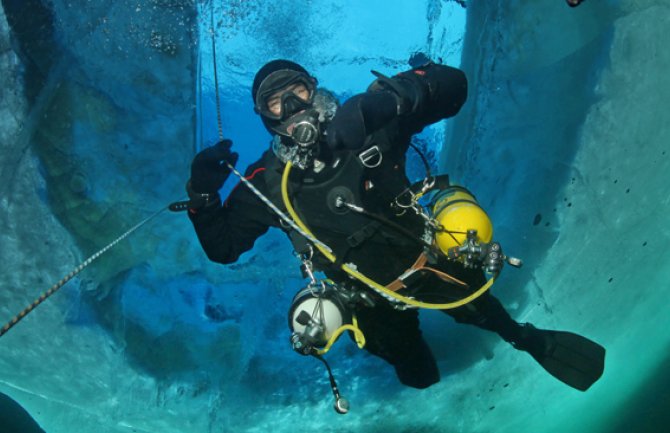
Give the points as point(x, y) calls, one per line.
point(209, 170)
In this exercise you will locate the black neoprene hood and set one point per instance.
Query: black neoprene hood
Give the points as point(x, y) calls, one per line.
point(274, 66)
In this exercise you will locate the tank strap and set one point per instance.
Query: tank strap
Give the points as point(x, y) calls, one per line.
point(416, 271)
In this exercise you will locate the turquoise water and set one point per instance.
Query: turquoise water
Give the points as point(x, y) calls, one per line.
point(564, 139)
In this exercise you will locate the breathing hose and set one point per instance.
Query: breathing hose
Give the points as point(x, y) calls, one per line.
point(327, 252)
point(358, 336)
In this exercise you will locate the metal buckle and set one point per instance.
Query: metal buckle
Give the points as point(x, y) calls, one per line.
point(408, 196)
point(428, 184)
point(368, 155)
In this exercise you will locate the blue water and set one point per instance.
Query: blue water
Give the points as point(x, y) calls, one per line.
point(104, 103)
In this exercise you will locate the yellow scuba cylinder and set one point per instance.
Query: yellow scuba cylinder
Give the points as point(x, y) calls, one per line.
point(456, 211)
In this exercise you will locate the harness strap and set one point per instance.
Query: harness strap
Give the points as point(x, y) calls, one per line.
point(360, 236)
point(413, 273)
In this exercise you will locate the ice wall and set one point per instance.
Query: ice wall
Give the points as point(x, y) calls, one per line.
point(568, 143)
point(13, 109)
point(110, 113)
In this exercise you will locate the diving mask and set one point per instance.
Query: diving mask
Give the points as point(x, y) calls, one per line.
point(297, 138)
point(283, 94)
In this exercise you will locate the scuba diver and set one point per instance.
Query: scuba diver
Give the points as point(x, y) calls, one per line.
point(340, 170)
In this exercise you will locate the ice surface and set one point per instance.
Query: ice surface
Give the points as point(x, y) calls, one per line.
point(567, 119)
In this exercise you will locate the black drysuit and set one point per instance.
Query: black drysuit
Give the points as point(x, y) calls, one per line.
point(370, 177)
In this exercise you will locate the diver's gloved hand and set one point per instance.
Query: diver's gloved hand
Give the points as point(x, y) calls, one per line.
point(208, 169)
point(360, 116)
point(432, 91)
point(494, 259)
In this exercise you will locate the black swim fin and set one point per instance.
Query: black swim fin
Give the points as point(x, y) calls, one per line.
point(570, 358)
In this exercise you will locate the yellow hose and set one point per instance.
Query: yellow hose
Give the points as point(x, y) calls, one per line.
point(360, 277)
point(358, 335)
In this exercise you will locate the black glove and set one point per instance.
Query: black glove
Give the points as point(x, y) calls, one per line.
point(432, 91)
point(208, 169)
point(360, 116)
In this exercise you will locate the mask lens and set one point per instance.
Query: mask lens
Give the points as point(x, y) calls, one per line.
point(291, 101)
point(283, 93)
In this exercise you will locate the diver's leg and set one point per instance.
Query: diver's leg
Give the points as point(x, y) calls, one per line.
point(487, 312)
point(395, 337)
point(571, 358)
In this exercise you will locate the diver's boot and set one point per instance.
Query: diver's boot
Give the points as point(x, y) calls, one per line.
point(571, 358)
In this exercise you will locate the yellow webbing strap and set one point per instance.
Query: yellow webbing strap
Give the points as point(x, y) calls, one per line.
point(360, 277)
